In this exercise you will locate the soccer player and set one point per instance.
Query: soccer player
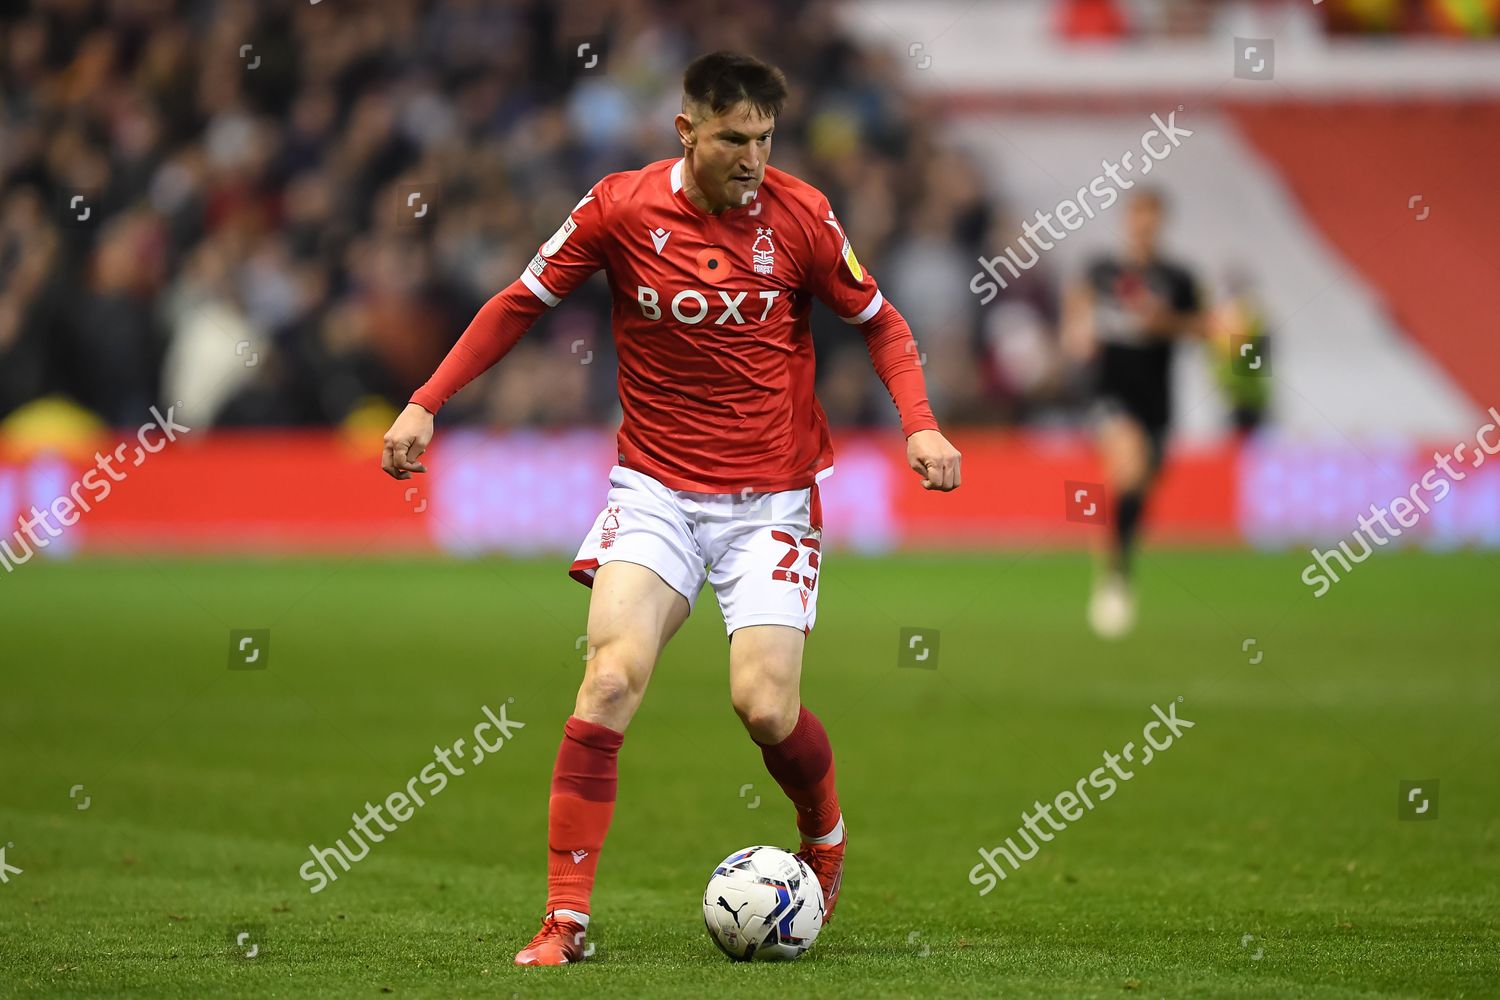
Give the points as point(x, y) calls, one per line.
point(713, 260)
point(1126, 314)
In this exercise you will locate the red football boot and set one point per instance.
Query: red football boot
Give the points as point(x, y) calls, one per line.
point(559, 942)
point(827, 862)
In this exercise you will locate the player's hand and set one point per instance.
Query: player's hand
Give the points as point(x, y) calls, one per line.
point(405, 442)
point(1153, 313)
point(930, 455)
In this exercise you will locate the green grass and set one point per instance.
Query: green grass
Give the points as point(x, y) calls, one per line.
point(1274, 817)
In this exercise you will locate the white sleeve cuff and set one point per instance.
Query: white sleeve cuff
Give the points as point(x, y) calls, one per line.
point(538, 289)
point(869, 311)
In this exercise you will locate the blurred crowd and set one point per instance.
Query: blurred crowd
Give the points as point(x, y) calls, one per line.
point(1126, 19)
point(283, 213)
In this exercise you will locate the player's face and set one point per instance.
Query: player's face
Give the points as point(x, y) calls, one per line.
point(729, 154)
point(1142, 223)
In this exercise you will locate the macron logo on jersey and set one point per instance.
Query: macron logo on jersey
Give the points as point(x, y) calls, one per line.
point(659, 238)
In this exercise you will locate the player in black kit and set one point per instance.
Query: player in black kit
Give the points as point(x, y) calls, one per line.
point(1124, 317)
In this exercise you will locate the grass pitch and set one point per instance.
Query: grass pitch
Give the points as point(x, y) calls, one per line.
point(1262, 855)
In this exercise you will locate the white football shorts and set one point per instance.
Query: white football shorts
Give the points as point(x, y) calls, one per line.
point(762, 552)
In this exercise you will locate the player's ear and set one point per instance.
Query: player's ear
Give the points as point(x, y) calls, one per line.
point(685, 131)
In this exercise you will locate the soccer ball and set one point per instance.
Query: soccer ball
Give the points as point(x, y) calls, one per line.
point(764, 903)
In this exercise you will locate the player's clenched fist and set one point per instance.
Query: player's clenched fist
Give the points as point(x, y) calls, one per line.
point(405, 442)
point(930, 454)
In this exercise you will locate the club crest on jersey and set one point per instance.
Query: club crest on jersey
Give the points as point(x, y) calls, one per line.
point(763, 251)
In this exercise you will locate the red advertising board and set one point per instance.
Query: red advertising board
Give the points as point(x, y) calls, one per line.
point(520, 492)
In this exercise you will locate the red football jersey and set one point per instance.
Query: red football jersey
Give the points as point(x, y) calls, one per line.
point(710, 320)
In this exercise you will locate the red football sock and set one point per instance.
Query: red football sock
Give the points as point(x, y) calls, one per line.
point(802, 765)
point(578, 814)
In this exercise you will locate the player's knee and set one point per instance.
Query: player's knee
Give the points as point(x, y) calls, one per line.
point(614, 680)
point(606, 690)
point(768, 719)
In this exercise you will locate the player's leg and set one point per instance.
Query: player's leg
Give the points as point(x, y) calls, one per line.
point(645, 568)
point(1125, 448)
point(632, 615)
point(765, 561)
point(765, 674)
point(765, 677)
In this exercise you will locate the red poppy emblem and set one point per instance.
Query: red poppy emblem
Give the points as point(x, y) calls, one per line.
point(713, 265)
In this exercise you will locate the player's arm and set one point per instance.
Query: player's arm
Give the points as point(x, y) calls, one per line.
point(495, 329)
point(1180, 312)
point(573, 253)
point(1190, 313)
point(838, 279)
point(1079, 340)
point(894, 353)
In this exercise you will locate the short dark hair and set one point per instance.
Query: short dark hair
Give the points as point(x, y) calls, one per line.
point(722, 80)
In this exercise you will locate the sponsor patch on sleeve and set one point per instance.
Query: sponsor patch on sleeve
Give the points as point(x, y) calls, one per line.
point(559, 238)
point(853, 261)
